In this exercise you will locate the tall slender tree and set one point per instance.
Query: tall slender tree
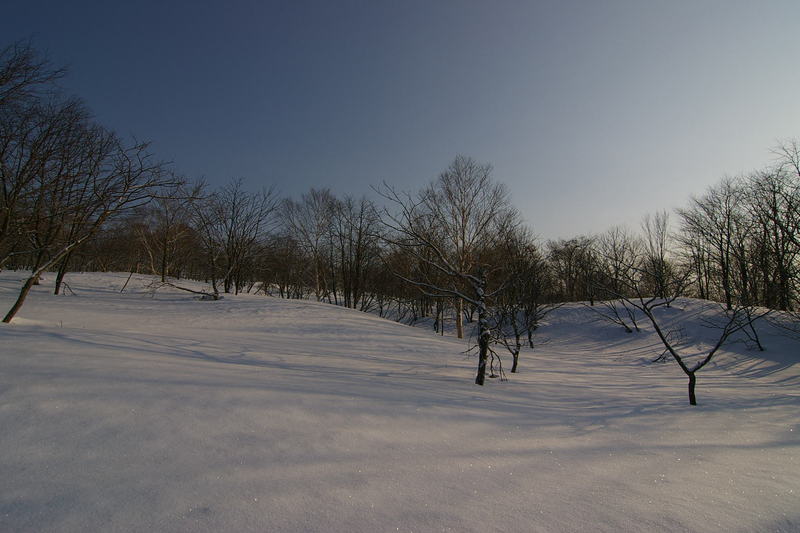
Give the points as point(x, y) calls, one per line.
point(446, 227)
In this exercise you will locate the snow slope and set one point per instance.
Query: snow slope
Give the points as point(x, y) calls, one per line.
point(126, 412)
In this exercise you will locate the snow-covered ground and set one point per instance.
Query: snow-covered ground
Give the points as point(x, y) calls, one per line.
point(126, 412)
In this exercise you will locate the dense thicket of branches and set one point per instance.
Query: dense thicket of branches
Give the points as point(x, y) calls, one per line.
point(74, 196)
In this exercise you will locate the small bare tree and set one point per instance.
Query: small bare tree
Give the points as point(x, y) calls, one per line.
point(527, 297)
point(634, 281)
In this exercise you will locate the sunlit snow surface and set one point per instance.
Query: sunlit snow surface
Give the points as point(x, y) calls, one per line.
point(127, 412)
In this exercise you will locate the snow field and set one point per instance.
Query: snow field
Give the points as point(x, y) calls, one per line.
point(132, 412)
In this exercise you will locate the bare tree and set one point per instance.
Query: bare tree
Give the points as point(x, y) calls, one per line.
point(738, 318)
point(38, 144)
point(633, 282)
point(31, 125)
point(308, 221)
point(657, 245)
point(773, 204)
point(446, 227)
point(166, 232)
point(24, 74)
point(458, 203)
point(233, 226)
point(120, 179)
point(575, 268)
point(527, 297)
point(284, 267)
point(617, 252)
point(355, 239)
point(716, 221)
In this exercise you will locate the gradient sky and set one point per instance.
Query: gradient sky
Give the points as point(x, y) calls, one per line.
point(593, 113)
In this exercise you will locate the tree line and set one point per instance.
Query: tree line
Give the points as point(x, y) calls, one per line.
point(77, 197)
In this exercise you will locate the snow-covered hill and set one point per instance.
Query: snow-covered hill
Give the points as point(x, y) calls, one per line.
point(128, 412)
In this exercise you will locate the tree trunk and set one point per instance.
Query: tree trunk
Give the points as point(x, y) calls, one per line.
point(484, 329)
point(34, 278)
point(164, 246)
point(517, 341)
point(134, 269)
point(483, 345)
point(754, 335)
point(317, 288)
point(692, 383)
point(30, 282)
point(62, 271)
point(460, 318)
point(726, 288)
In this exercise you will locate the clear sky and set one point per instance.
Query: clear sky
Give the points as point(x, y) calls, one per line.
point(593, 112)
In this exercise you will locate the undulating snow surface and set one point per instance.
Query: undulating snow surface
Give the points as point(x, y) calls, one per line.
point(127, 412)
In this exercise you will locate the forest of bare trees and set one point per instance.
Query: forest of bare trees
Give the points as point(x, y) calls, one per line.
point(76, 197)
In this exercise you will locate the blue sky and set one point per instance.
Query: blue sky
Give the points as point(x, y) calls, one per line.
point(593, 113)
